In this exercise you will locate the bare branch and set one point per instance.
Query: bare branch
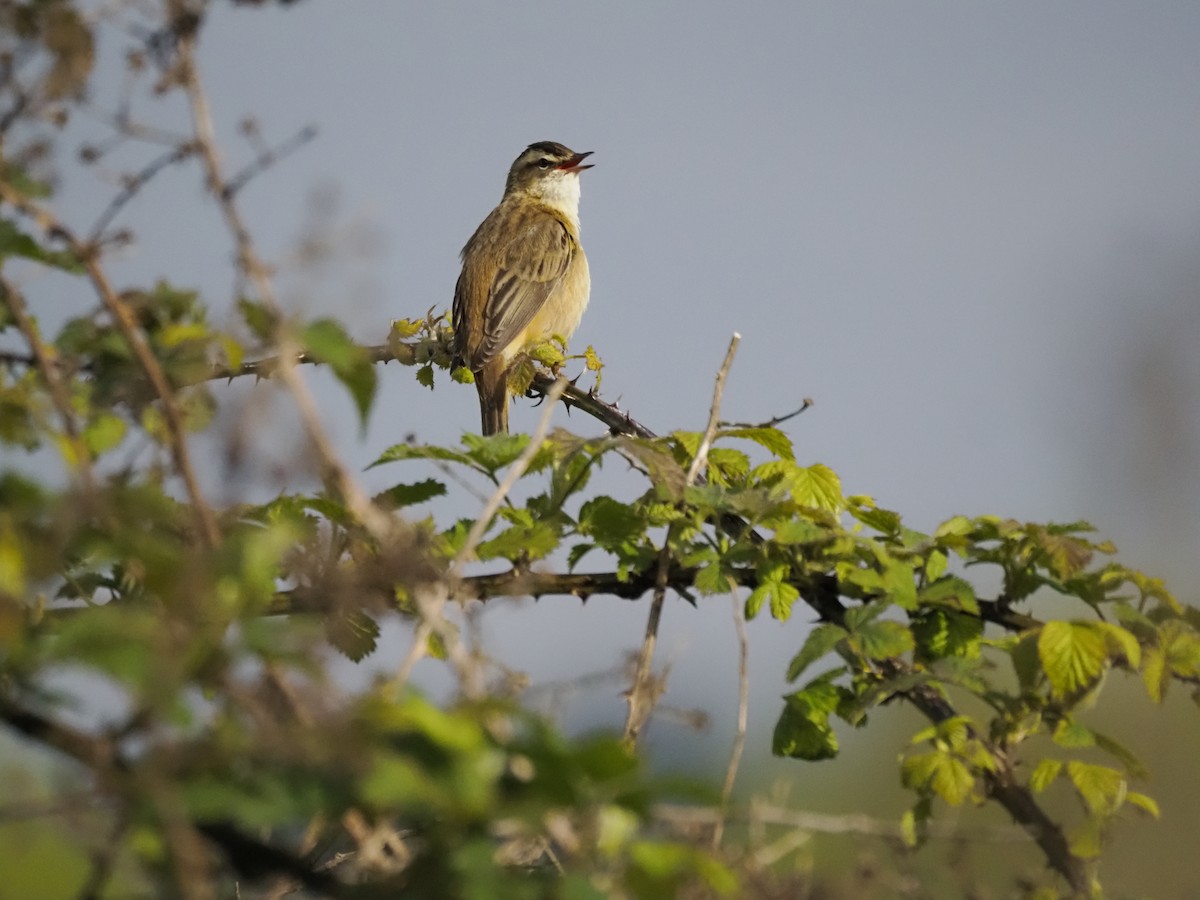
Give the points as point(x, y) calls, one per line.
point(134, 185)
point(268, 158)
point(774, 421)
point(644, 691)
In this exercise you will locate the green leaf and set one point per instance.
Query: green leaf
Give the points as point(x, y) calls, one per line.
point(610, 523)
point(103, 433)
point(328, 342)
point(410, 494)
point(1126, 757)
point(260, 319)
point(496, 451)
point(783, 598)
point(424, 376)
point(1072, 735)
point(820, 641)
point(941, 634)
point(1102, 789)
point(1144, 803)
point(803, 730)
point(883, 639)
point(1072, 655)
point(14, 242)
point(520, 542)
point(951, 592)
point(1044, 774)
point(801, 531)
point(354, 633)
point(774, 440)
point(884, 521)
point(1121, 643)
point(1087, 839)
point(900, 584)
point(819, 486)
point(419, 451)
point(935, 565)
point(941, 772)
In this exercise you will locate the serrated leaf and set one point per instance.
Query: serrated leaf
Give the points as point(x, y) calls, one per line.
point(1072, 735)
point(884, 639)
point(1072, 655)
point(354, 634)
point(421, 451)
point(935, 565)
point(951, 592)
point(940, 772)
point(803, 730)
point(711, 579)
point(547, 354)
point(520, 542)
point(410, 494)
point(884, 521)
point(406, 328)
point(495, 451)
point(941, 634)
point(820, 641)
point(1044, 774)
point(800, 531)
point(1155, 674)
point(1102, 788)
point(783, 597)
point(772, 439)
point(424, 376)
point(955, 527)
point(819, 486)
point(610, 522)
point(327, 342)
point(900, 584)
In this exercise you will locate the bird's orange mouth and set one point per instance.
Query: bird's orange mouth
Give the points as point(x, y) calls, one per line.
point(573, 164)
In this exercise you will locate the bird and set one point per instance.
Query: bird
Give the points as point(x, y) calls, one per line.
point(524, 274)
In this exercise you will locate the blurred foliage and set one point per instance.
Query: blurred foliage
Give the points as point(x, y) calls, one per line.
point(231, 763)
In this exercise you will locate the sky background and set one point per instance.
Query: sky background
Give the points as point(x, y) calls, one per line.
point(968, 232)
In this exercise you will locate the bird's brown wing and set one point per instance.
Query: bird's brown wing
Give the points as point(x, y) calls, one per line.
point(534, 259)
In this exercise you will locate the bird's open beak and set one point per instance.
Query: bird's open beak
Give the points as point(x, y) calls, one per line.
point(573, 164)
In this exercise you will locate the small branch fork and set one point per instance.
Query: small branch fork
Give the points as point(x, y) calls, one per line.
point(645, 690)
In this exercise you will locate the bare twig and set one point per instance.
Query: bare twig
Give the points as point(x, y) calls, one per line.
point(743, 711)
point(644, 691)
point(774, 420)
point(693, 817)
point(268, 158)
point(134, 185)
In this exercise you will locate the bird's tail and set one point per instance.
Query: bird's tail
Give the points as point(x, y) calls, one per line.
point(492, 383)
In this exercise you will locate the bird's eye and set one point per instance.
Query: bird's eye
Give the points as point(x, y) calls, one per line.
point(544, 163)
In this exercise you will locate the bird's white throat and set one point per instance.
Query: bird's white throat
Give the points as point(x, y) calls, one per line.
point(561, 190)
